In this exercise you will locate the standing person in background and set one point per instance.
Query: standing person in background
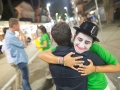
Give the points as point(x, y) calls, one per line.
point(11, 62)
point(89, 18)
point(82, 19)
point(36, 40)
point(45, 45)
point(17, 52)
point(45, 38)
point(93, 18)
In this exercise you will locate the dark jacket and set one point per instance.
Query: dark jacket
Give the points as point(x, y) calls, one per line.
point(66, 78)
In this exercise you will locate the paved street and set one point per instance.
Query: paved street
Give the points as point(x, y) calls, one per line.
point(110, 39)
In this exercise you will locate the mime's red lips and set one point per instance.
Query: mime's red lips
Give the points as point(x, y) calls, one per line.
point(80, 48)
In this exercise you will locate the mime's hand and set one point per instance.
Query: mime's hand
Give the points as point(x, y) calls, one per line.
point(87, 69)
point(71, 61)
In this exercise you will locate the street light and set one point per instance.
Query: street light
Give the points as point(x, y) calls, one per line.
point(76, 12)
point(66, 17)
point(66, 9)
point(48, 5)
point(76, 9)
point(56, 16)
point(67, 13)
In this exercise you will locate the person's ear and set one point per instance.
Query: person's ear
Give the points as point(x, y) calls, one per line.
point(13, 25)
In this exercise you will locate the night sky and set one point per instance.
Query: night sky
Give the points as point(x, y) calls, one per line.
point(57, 6)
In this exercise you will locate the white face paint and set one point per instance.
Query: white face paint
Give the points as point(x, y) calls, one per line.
point(82, 42)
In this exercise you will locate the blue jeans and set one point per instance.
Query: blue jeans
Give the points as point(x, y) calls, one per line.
point(25, 76)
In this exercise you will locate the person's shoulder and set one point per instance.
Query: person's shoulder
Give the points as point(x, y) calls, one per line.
point(65, 48)
point(9, 34)
point(45, 35)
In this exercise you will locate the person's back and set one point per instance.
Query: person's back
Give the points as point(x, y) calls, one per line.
point(66, 78)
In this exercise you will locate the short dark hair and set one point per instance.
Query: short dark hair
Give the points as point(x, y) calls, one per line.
point(61, 33)
point(12, 21)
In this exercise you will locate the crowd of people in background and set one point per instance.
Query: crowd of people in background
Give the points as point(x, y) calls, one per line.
point(89, 17)
point(86, 17)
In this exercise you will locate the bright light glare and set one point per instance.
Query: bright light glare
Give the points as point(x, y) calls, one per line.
point(76, 9)
point(65, 8)
point(48, 4)
point(91, 12)
point(56, 14)
point(66, 14)
point(72, 2)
